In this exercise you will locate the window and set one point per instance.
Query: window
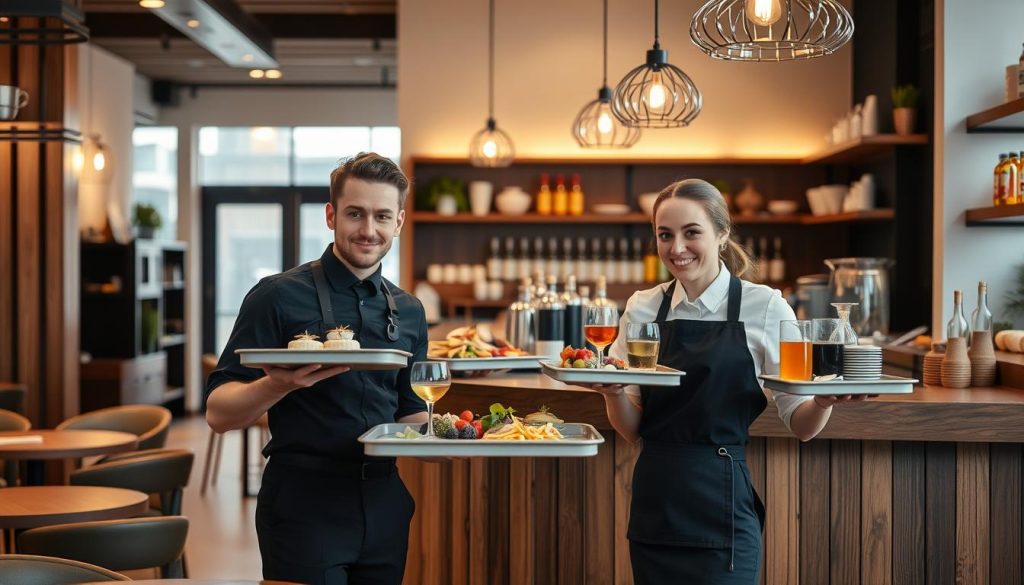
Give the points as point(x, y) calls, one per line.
point(155, 174)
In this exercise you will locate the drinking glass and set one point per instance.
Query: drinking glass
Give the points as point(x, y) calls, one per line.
point(600, 328)
point(846, 334)
point(430, 381)
point(827, 341)
point(642, 341)
point(795, 350)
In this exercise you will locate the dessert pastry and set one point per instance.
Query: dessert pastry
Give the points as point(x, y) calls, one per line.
point(341, 338)
point(305, 341)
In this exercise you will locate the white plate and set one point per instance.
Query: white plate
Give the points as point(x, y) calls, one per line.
point(581, 440)
point(663, 376)
point(884, 385)
point(491, 364)
point(610, 209)
point(357, 359)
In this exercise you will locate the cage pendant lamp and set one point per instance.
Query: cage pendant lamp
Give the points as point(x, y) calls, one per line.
point(596, 125)
point(770, 30)
point(491, 146)
point(656, 94)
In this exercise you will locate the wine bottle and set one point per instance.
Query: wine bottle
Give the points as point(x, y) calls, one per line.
point(582, 262)
point(550, 330)
point(573, 314)
point(637, 261)
point(495, 268)
point(525, 266)
point(981, 318)
point(510, 266)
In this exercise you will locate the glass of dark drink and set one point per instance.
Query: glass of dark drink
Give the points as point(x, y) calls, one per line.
point(827, 340)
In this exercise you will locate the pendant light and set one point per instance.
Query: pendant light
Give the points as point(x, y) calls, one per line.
point(656, 94)
point(770, 30)
point(491, 147)
point(596, 126)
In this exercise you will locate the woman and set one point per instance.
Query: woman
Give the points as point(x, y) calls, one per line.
point(694, 516)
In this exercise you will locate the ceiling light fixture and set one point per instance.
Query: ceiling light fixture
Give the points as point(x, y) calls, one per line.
point(223, 28)
point(656, 94)
point(596, 126)
point(491, 147)
point(247, 58)
point(770, 30)
point(273, 74)
point(152, 3)
point(256, 74)
point(192, 23)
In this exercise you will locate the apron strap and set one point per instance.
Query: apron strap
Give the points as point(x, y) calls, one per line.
point(735, 299)
point(323, 294)
point(666, 300)
point(392, 329)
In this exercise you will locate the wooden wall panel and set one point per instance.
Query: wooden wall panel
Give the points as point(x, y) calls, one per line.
point(29, 329)
point(814, 512)
point(498, 521)
point(876, 513)
point(571, 492)
point(521, 512)
point(478, 531)
point(908, 554)
point(845, 513)
point(782, 503)
point(409, 470)
point(599, 525)
point(459, 517)
point(1005, 514)
point(940, 513)
point(545, 474)
point(625, 459)
point(972, 514)
point(8, 307)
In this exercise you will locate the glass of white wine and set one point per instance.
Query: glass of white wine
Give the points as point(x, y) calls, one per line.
point(430, 381)
point(642, 341)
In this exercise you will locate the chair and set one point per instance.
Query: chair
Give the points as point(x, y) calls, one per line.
point(37, 570)
point(118, 545)
point(12, 397)
point(12, 421)
point(161, 472)
point(149, 422)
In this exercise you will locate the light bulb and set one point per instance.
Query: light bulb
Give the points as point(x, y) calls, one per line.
point(78, 160)
point(192, 23)
point(273, 74)
point(151, 3)
point(763, 12)
point(99, 161)
point(490, 149)
point(256, 74)
point(656, 93)
point(604, 123)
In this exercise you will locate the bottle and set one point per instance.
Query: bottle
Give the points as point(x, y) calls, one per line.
point(636, 263)
point(561, 198)
point(777, 266)
point(510, 266)
point(544, 196)
point(524, 257)
point(549, 332)
point(957, 326)
point(1020, 75)
point(1014, 195)
point(624, 268)
point(956, 366)
point(582, 262)
point(554, 263)
point(1020, 177)
point(519, 324)
point(573, 314)
point(601, 294)
point(568, 264)
point(576, 197)
point(539, 263)
point(982, 353)
point(1001, 180)
point(539, 288)
point(611, 263)
point(651, 262)
point(585, 296)
point(596, 261)
point(762, 258)
point(981, 318)
point(755, 275)
point(495, 267)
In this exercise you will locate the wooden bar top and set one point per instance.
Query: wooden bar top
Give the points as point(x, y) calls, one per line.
point(929, 414)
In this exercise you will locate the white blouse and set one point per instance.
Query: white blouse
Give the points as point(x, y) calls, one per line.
point(761, 310)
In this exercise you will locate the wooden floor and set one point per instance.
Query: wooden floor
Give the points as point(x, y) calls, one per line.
point(222, 535)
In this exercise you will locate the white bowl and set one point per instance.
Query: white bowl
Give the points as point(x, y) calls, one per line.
point(513, 202)
point(610, 209)
point(783, 206)
point(646, 201)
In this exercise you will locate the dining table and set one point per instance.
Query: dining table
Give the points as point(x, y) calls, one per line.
point(38, 445)
point(196, 582)
point(46, 505)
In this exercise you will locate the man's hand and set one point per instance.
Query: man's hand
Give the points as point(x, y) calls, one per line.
point(284, 380)
point(829, 401)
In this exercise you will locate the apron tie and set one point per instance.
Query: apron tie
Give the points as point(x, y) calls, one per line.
point(723, 452)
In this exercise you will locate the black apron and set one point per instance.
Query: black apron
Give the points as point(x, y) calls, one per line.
point(694, 516)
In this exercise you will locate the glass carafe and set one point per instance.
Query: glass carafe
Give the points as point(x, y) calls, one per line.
point(845, 334)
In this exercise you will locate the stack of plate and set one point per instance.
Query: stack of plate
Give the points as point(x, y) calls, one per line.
point(862, 362)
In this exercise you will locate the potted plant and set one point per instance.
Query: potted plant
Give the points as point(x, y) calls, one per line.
point(444, 195)
point(146, 220)
point(904, 108)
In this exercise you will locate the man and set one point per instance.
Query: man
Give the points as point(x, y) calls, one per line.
point(327, 514)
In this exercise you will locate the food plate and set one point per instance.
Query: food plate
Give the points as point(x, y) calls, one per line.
point(663, 376)
point(581, 440)
point(357, 359)
point(491, 363)
point(883, 385)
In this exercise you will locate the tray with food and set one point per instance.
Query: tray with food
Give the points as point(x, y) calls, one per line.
point(475, 351)
point(500, 433)
point(836, 386)
point(580, 366)
point(340, 349)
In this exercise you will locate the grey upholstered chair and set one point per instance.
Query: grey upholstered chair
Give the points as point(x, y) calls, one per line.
point(38, 570)
point(12, 421)
point(149, 422)
point(163, 472)
point(12, 397)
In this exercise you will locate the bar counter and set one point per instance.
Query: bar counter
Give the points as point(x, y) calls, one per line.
point(917, 488)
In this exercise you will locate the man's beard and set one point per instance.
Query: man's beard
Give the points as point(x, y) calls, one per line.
point(357, 262)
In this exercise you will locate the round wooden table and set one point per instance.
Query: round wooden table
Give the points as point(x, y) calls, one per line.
point(64, 444)
point(195, 582)
point(34, 506)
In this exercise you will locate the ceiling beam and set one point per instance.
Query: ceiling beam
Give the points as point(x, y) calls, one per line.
point(280, 26)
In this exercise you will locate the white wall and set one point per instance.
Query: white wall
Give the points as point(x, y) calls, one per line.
point(970, 73)
point(105, 83)
point(548, 65)
point(283, 107)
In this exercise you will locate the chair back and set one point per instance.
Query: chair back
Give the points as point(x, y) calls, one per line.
point(12, 397)
point(149, 422)
point(118, 545)
point(162, 472)
point(12, 421)
point(38, 570)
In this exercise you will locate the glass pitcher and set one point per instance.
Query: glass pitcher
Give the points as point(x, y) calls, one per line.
point(865, 282)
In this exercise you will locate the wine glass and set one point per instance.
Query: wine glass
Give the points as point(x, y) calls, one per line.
point(600, 328)
point(430, 381)
point(845, 335)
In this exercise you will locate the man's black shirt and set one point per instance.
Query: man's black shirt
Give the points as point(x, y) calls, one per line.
point(327, 418)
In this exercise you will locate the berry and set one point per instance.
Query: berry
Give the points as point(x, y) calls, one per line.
point(466, 416)
point(460, 424)
point(579, 363)
point(451, 433)
point(479, 428)
point(467, 432)
point(568, 351)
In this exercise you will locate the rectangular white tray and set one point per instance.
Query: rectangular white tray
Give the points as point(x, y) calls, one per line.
point(357, 359)
point(663, 376)
point(491, 363)
point(581, 440)
point(884, 385)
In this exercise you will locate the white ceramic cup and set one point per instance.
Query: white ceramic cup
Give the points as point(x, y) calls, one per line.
point(481, 290)
point(465, 274)
point(435, 273)
point(495, 290)
point(451, 274)
point(480, 197)
point(479, 272)
point(12, 99)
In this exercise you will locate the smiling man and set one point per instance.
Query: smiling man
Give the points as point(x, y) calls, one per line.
point(327, 514)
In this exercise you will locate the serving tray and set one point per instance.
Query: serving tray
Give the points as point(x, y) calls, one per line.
point(357, 359)
point(663, 376)
point(581, 440)
point(487, 365)
point(883, 385)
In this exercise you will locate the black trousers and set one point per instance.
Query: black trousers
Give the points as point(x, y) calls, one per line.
point(328, 528)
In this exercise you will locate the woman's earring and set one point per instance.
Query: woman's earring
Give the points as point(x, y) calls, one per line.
point(722, 248)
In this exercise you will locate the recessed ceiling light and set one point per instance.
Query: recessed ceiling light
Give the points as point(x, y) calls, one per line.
point(247, 58)
point(256, 74)
point(192, 23)
point(152, 3)
point(273, 74)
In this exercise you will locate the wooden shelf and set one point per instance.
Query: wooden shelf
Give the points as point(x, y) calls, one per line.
point(1001, 216)
point(1008, 117)
point(618, 160)
point(642, 218)
point(850, 217)
point(864, 148)
point(34, 131)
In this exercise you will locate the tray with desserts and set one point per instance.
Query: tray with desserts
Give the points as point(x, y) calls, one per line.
point(580, 366)
point(340, 349)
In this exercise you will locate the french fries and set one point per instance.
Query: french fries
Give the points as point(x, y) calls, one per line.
point(466, 342)
point(517, 431)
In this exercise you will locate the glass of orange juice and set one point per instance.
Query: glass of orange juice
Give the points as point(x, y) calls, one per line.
point(795, 350)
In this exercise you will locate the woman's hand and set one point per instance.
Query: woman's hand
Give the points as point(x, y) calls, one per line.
point(605, 389)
